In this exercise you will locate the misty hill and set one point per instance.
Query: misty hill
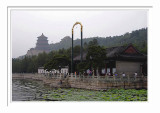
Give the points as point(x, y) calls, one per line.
point(137, 37)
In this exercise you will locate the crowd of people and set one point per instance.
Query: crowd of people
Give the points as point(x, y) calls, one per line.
point(90, 73)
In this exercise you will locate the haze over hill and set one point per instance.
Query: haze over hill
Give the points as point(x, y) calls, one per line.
point(137, 37)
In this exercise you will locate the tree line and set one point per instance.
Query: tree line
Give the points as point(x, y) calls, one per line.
point(137, 37)
point(95, 48)
point(60, 58)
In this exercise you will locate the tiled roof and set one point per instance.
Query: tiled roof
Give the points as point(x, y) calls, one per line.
point(118, 52)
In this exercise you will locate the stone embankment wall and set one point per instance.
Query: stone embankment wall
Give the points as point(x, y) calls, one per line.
point(88, 82)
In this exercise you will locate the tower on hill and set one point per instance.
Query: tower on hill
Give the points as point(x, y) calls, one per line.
point(42, 43)
point(41, 46)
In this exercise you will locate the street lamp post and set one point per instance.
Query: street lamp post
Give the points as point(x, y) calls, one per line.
point(81, 45)
point(91, 62)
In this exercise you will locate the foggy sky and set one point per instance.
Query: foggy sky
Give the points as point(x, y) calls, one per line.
point(27, 25)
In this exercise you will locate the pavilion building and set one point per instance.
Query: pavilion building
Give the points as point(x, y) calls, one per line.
point(42, 43)
point(41, 46)
point(123, 59)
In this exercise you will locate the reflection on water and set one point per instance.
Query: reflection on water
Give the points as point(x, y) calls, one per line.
point(27, 90)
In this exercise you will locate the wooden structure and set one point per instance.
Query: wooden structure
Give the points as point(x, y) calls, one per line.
point(123, 59)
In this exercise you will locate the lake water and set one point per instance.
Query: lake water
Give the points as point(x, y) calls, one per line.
point(28, 90)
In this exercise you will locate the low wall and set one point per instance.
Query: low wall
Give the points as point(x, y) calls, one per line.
point(88, 82)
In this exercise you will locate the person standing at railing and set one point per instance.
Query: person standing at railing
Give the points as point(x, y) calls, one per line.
point(135, 75)
point(65, 75)
point(50, 74)
point(109, 74)
point(83, 72)
point(93, 72)
point(115, 74)
point(60, 82)
point(90, 73)
point(123, 74)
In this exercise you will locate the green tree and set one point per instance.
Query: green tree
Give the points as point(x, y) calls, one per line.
point(96, 56)
point(57, 62)
point(82, 66)
point(94, 42)
point(24, 64)
point(76, 50)
point(41, 59)
point(16, 65)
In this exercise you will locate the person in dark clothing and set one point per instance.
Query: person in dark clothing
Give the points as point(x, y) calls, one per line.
point(60, 81)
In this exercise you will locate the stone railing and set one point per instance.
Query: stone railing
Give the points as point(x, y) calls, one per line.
point(87, 82)
point(106, 78)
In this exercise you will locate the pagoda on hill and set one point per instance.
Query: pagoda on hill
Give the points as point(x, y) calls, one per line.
point(41, 46)
point(42, 43)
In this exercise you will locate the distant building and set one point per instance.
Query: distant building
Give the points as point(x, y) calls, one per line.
point(121, 59)
point(42, 43)
point(41, 46)
point(125, 59)
point(41, 70)
point(63, 70)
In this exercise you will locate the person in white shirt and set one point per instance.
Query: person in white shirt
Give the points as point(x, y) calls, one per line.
point(123, 74)
point(135, 74)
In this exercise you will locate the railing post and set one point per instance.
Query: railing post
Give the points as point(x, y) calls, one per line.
point(121, 78)
point(142, 76)
point(135, 78)
point(114, 78)
point(106, 77)
point(98, 77)
point(128, 78)
point(60, 75)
